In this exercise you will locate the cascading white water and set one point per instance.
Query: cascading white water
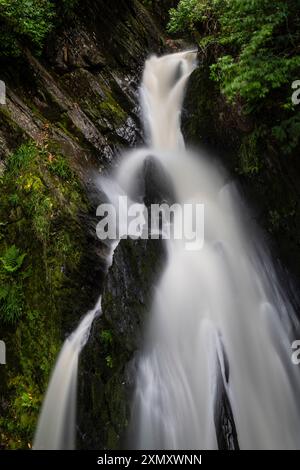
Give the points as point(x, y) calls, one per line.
point(222, 303)
point(57, 422)
point(219, 306)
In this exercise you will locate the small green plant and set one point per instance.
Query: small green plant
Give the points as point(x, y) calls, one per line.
point(109, 361)
point(26, 404)
point(11, 285)
point(11, 303)
point(22, 158)
point(12, 259)
point(28, 172)
point(14, 199)
point(106, 337)
point(59, 167)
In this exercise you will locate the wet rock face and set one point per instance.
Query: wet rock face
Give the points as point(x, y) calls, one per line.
point(158, 185)
point(129, 288)
point(107, 364)
point(82, 93)
point(106, 372)
point(223, 416)
point(118, 33)
point(161, 9)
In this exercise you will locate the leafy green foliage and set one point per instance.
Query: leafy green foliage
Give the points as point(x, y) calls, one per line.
point(11, 293)
point(261, 38)
point(26, 406)
point(253, 52)
point(261, 58)
point(106, 337)
point(288, 132)
point(28, 22)
point(188, 13)
point(27, 169)
point(109, 361)
point(250, 162)
point(31, 19)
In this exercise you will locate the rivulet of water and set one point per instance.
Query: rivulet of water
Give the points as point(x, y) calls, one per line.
point(57, 422)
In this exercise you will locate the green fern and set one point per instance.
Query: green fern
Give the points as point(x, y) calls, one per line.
point(12, 259)
point(11, 303)
point(4, 291)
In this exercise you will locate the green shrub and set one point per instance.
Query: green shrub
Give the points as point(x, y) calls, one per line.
point(30, 19)
point(257, 42)
point(252, 50)
point(187, 14)
point(106, 337)
point(28, 22)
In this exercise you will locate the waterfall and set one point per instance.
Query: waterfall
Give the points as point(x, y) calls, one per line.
point(57, 423)
point(219, 313)
point(216, 358)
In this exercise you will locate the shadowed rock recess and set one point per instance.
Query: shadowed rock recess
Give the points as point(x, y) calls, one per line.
point(68, 112)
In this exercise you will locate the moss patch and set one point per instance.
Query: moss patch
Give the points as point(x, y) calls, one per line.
point(40, 253)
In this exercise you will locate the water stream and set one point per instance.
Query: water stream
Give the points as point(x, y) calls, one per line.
point(56, 428)
point(219, 316)
point(217, 308)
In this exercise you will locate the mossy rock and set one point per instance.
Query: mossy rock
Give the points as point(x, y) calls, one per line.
point(43, 239)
